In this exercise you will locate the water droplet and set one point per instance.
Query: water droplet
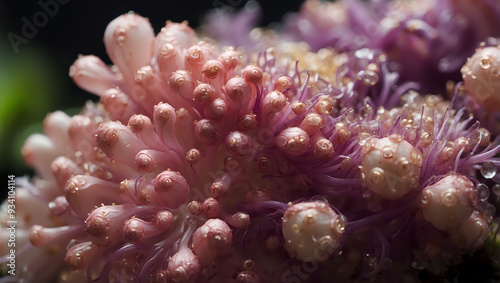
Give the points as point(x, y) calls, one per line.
point(419, 263)
point(496, 189)
point(483, 192)
point(488, 170)
point(364, 53)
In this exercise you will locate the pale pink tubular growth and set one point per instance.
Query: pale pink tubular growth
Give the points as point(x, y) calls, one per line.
point(324, 105)
point(312, 231)
point(211, 240)
point(59, 206)
point(298, 107)
point(104, 224)
point(195, 208)
point(81, 255)
point(184, 266)
point(182, 84)
point(118, 142)
point(164, 220)
point(247, 122)
point(164, 118)
point(239, 144)
point(40, 236)
point(293, 141)
point(216, 109)
point(63, 169)
point(273, 102)
point(207, 132)
point(472, 233)
point(230, 58)
point(149, 160)
point(196, 56)
point(449, 202)
point(481, 75)
point(178, 34)
point(81, 132)
point(168, 59)
point(129, 190)
point(172, 188)
point(141, 126)
point(193, 156)
point(241, 94)
point(151, 84)
point(220, 187)
point(282, 83)
point(185, 123)
point(129, 43)
point(55, 126)
point(38, 152)
point(93, 75)
point(118, 104)
point(391, 166)
point(253, 74)
point(204, 93)
point(311, 123)
point(211, 208)
point(136, 229)
point(214, 73)
point(323, 148)
point(240, 220)
point(85, 192)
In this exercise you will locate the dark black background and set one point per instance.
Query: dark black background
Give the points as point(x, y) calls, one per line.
point(77, 28)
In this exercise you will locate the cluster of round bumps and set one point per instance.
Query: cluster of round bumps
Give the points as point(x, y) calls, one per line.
point(390, 166)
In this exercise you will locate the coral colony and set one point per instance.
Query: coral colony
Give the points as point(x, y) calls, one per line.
point(358, 143)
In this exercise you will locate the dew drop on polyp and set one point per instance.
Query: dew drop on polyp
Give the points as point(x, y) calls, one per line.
point(488, 170)
point(483, 192)
point(496, 189)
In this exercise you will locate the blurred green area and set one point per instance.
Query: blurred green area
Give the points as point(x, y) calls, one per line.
point(28, 89)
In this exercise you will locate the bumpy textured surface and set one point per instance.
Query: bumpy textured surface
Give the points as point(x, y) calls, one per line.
point(271, 162)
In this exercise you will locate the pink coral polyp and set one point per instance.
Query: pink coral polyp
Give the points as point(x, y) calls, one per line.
point(203, 163)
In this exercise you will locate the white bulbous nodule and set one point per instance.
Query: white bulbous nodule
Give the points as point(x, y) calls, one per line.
point(449, 202)
point(312, 231)
point(481, 75)
point(391, 166)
